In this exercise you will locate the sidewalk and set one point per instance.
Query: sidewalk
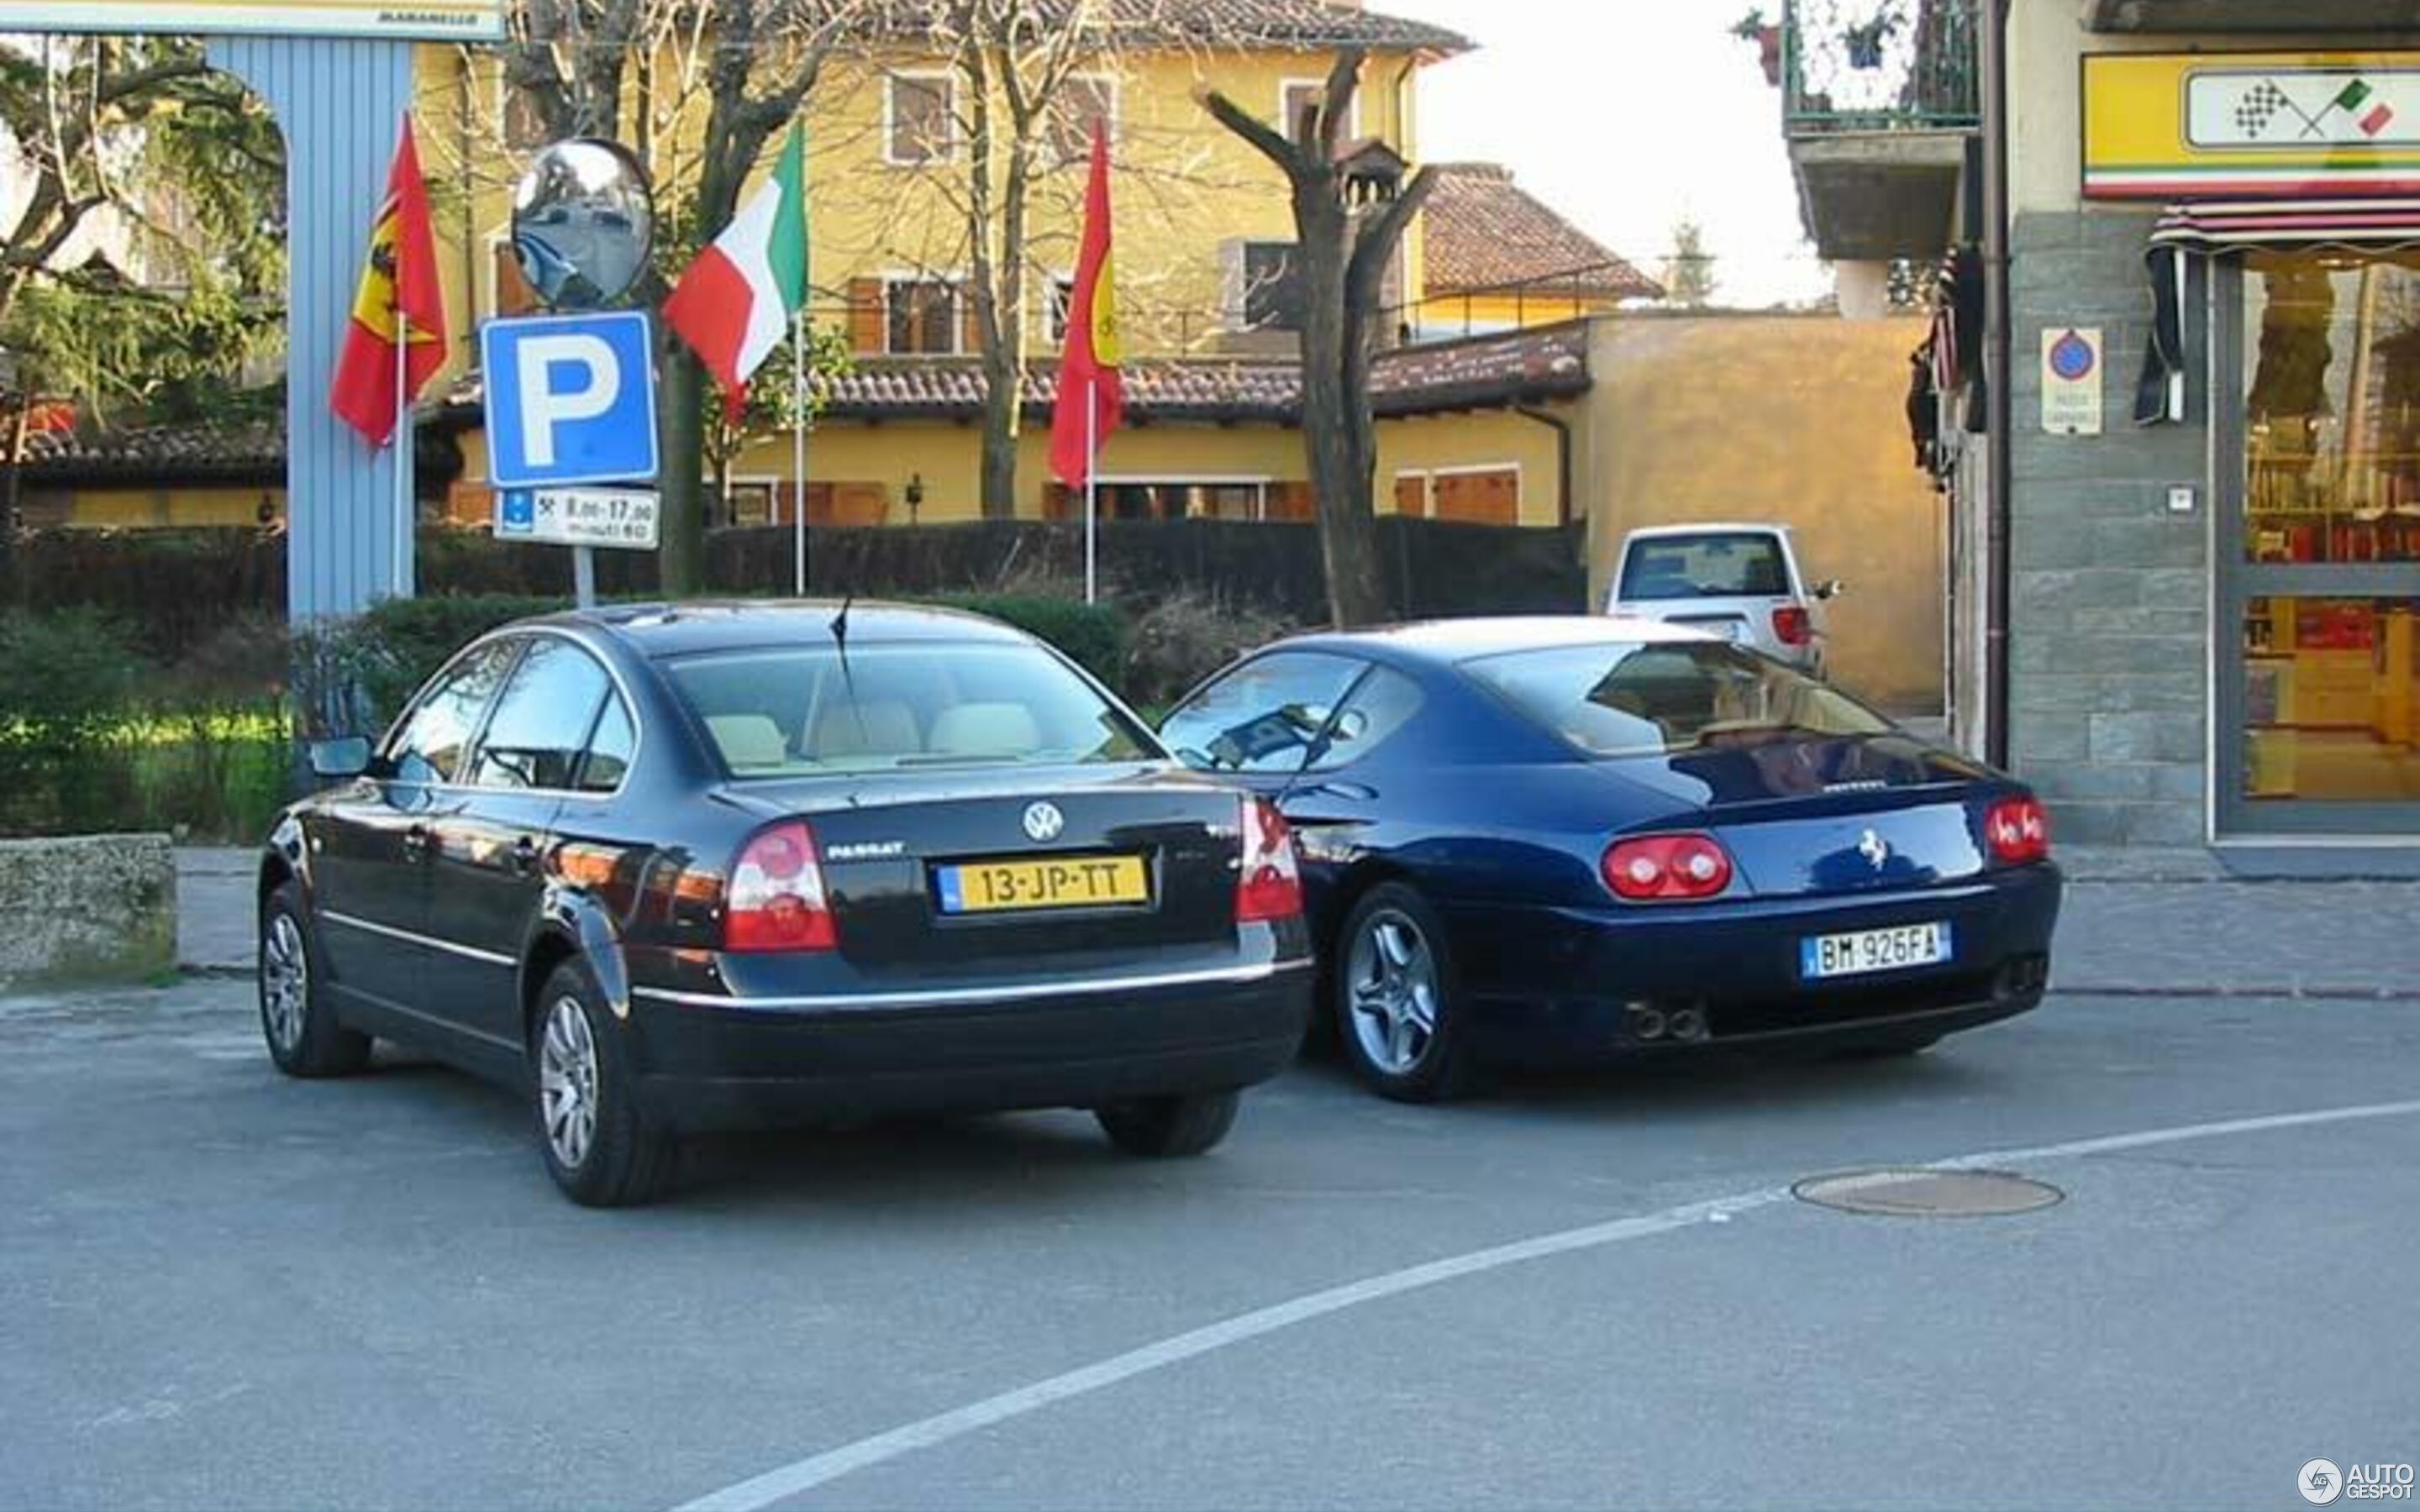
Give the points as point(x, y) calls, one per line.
point(2137, 922)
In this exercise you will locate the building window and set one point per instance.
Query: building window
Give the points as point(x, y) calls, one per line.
point(1061, 300)
point(1273, 296)
point(1081, 101)
point(919, 117)
point(1296, 98)
point(922, 318)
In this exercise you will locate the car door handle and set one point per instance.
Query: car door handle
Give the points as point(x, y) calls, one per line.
point(415, 842)
point(524, 855)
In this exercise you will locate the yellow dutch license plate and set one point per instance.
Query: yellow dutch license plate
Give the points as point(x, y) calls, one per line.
point(1067, 882)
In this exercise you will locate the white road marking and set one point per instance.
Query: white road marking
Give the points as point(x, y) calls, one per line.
point(801, 1476)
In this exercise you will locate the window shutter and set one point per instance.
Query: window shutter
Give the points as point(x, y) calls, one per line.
point(970, 319)
point(868, 325)
point(1291, 501)
point(1412, 495)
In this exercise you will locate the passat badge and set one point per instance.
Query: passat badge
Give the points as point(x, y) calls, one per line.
point(1044, 822)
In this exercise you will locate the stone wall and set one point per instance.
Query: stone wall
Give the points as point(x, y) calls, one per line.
point(2109, 597)
point(90, 908)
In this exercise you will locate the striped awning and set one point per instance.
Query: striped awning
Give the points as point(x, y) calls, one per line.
point(2361, 224)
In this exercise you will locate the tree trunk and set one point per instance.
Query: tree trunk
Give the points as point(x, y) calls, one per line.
point(682, 553)
point(1332, 415)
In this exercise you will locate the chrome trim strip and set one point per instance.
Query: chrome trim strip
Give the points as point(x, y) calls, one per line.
point(1016, 993)
point(485, 957)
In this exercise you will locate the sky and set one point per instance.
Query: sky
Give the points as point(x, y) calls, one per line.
point(1627, 115)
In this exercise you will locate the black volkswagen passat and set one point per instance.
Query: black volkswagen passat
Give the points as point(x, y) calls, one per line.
point(717, 866)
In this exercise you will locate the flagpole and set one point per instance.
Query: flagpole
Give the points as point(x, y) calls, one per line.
point(403, 521)
point(1092, 490)
point(799, 444)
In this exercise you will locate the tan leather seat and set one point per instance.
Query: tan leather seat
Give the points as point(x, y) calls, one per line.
point(882, 727)
point(748, 741)
point(986, 729)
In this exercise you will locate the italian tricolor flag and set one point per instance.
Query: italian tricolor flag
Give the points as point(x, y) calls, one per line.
point(735, 303)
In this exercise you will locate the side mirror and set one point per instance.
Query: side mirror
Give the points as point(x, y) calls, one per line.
point(1831, 590)
point(348, 756)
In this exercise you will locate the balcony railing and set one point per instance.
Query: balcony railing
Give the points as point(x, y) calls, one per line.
point(1858, 66)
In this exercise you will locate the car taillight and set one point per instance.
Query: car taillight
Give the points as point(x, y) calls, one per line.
point(776, 901)
point(1269, 887)
point(2018, 831)
point(1793, 625)
point(1657, 869)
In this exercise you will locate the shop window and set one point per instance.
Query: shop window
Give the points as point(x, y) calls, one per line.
point(2331, 700)
point(2331, 409)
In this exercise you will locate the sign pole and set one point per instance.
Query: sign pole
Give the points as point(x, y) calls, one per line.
point(798, 445)
point(583, 576)
point(1092, 491)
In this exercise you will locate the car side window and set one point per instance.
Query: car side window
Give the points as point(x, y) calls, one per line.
point(1265, 716)
point(610, 748)
point(1382, 703)
point(541, 724)
point(436, 734)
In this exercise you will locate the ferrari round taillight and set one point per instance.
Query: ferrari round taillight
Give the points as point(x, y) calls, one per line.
point(776, 901)
point(1269, 885)
point(1655, 869)
point(2018, 831)
point(1793, 625)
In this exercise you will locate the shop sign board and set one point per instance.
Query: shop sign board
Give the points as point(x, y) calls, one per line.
point(618, 518)
point(2071, 380)
point(451, 21)
point(2172, 126)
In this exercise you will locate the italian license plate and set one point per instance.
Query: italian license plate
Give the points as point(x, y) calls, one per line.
point(1822, 956)
point(1067, 882)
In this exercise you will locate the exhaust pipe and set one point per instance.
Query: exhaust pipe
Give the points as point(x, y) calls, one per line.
point(1688, 1023)
point(1647, 1021)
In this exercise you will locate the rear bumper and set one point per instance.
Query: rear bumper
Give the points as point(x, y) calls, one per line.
point(1564, 984)
point(734, 1062)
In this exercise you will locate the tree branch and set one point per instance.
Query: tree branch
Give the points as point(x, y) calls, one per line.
point(1270, 145)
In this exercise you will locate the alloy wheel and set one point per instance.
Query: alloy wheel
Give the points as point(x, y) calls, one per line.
point(284, 984)
point(1391, 981)
point(567, 1080)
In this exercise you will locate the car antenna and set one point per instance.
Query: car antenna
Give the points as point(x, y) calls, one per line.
point(848, 678)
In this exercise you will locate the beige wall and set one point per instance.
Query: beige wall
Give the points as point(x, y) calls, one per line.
point(946, 457)
point(1800, 420)
point(2046, 39)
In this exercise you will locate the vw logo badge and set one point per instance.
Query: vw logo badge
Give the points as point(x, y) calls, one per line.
point(1043, 822)
point(1874, 849)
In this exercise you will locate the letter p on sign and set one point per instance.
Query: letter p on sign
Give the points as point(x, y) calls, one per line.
point(570, 399)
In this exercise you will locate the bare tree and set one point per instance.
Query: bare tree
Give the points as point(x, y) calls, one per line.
point(1344, 252)
point(581, 63)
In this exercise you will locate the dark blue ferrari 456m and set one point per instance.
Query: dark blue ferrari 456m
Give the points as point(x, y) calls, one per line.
point(1543, 840)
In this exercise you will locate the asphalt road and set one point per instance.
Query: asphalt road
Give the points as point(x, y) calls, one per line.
point(220, 1287)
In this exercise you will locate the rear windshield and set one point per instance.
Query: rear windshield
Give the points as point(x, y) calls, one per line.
point(1629, 699)
point(1717, 565)
point(794, 711)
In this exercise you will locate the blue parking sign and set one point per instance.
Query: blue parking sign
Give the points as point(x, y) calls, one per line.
point(569, 399)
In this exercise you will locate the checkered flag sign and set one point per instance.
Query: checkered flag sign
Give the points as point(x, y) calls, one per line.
point(2259, 107)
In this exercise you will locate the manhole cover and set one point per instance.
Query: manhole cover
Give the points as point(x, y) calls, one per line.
point(1928, 1194)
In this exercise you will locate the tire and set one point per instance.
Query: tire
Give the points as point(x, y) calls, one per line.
point(1392, 998)
point(599, 1144)
point(1170, 1128)
point(305, 1039)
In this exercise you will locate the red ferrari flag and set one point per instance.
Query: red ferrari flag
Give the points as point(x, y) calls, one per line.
point(398, 286)
point(1092, 387)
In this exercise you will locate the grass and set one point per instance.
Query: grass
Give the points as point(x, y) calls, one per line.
point(201, 774)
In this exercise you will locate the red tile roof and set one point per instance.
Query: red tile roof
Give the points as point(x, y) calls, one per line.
point(1281, 24)
point(1484, 233)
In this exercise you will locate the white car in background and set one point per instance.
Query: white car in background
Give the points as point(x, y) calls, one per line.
point(1741, 582)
